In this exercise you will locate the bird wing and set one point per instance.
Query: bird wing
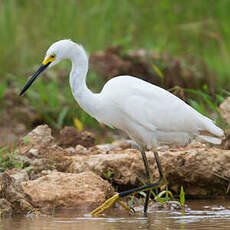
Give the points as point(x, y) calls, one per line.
point(152, 107)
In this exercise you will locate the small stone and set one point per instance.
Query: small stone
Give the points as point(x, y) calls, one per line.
point(20, 176)
point(47, 172)
point(81, 150)
point(34, 152)
point(39, 138)
point(41, 135)
point(105, 147)
point(70, 151)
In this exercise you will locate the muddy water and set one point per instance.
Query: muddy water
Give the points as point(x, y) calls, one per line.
point(199, 215)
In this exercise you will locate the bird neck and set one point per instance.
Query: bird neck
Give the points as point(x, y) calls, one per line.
point(82, 94)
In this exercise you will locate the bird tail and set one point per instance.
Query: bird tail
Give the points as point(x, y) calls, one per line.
point(212, 134)
point(213, 140)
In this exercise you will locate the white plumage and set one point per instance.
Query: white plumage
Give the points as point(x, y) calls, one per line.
point(152, 115)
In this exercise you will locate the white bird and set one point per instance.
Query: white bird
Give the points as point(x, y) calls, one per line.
point(149, 114)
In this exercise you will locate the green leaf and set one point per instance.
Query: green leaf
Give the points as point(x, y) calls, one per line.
point(182, 196)
point(108, 174)
point(158, 71)
point(25, 140)
point(61, 117)
point(159, 199)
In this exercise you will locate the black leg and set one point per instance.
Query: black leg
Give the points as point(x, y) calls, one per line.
point(147, 171)
point(108, 203)
point(159, 167)
point(158, 184)
point(146, 201)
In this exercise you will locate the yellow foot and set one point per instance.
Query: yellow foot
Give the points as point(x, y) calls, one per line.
point(108, 203)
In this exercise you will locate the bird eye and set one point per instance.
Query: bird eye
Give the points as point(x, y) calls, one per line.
point(52, 56)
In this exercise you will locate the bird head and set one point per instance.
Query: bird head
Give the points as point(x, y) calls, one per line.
point(57, 52)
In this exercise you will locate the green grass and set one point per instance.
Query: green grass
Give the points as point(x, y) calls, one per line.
point(199, 29)
point(196, 28)
point(208, 105)
point(9, 160)
point(182, 196)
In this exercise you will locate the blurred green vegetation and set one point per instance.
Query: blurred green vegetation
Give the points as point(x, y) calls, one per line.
point(9, 160)
point(200, 29)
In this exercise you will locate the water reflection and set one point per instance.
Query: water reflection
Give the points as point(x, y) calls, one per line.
point(200, 215)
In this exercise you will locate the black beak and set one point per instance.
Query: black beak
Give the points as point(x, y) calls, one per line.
point(34, 77)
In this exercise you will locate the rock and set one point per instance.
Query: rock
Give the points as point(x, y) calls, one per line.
point(21, 176)
point(12, 198)
point(37, 139)
point(79, 149)
point(226, 142)
point(34, 152)
point(47, 172)
point(41, 135)
point(201, 170)
point(39, 151)
point(52, 158)
point(225, 110)
point(124, 167)
point(70, 150)
point(68, 190)
point(116, 145)
point(5, 208)
point(18, 175)
point(41, 154)
point(70, 137)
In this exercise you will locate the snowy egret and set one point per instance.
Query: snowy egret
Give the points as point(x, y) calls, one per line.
point(149, 114)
